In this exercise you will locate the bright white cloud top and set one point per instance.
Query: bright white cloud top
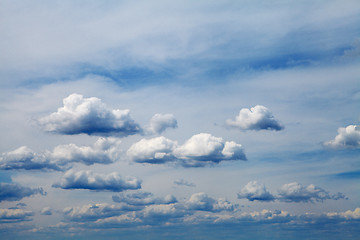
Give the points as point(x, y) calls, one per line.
point(255, 118)
point(200, 150)
point(348, 137)
point(160, 122)
point(89, 116)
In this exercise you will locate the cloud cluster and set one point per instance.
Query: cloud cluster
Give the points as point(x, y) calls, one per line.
point(14, 215)
point(103, 151)
point(143, 199)
point(255, 118)
point(291, 192)
point(89, 116)
point(98, 182)
point(200, 150)
point(16, 192)
point(348, 137)
point(202, 202)
point(160, 122)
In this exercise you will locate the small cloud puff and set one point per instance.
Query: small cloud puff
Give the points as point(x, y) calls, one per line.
point(255, 191)
point(103, 151)
point(348, 137)
point(291, 192)
point(46, 211)
point(98, 182)
point(200, 150)
point(160, 122)
point(182, 182)
point(202, 202)
point(89, 116)
point(256, 118)
point(16, 192)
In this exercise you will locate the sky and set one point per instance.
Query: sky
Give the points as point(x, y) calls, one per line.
point(180, 120)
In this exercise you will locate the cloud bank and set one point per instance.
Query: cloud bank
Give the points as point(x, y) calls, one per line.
point(255, 118)
point(348, 137)
point(89, 116)
point(291, 192)
point(15, 215)
point(143, 199)
point(98, 182)
point(200, 150)
point(16, 192)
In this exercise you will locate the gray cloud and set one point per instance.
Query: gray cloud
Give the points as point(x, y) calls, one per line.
point(200, 150)
point(89, 116)
point(14, 215)
point(46, 211)
point(160, 122)
point(348, 137)
point(16, 192)
point(255, 191)
point(291, 192)
point(103, 151)
point(255, 118)
point(92, 181)
point(142, 199)
point(182, 182)
point(202, 202)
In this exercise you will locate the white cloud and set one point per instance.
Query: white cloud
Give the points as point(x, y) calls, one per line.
point(348, 137)
point(160, 122)
point(98, 182)
point(295, 192)
point(255, 118)
point(89, 116)
point(200, 150)
point(14, 215)
point(16, 192)
point(182, 182)
point(143, 199)
point(202, 202)
point(103, 151)
point(255, 191)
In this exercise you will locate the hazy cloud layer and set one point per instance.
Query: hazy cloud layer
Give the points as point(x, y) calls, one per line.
point(200, 150)
point(348, 137)
point(16, 192)
point(89, 116)
point(143, 199)
point(255, 191)
point(182, 182)
point(103, 151)
point(291, 192)
point(98, 182)
point(160, 122)
point(14, 215)
point(255, 118)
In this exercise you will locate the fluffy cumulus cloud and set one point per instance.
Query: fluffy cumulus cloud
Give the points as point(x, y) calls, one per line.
point(295, 192)
point(255, 191)
point(143, 199)
point(200, 150)
point(14, 215)
point(16, 192)
point(89, 116)
point(182, 182)
point(160, 122)
point(202, 202)
point(291, 192)
point(348, 137)
point(98, 182)
point(103, 151)
point(25, 158)
point(255, 118)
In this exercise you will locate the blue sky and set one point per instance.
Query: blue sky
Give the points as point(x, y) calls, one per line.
point(187, 120)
